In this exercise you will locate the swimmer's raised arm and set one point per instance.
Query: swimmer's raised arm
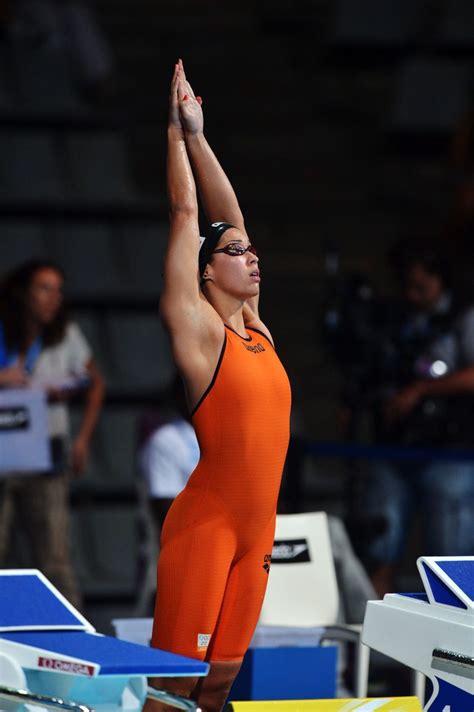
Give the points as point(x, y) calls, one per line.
point(195, 330)
point(217, 193)
point(181, 278)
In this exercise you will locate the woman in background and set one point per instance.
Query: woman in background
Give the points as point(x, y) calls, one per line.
point(40, 347)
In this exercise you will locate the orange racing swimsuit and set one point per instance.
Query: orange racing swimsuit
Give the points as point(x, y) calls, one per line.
point(217, 538)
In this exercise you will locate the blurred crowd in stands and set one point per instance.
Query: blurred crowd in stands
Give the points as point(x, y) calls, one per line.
point(407, 365)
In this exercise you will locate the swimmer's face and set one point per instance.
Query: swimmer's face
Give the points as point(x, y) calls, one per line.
point(237, 275)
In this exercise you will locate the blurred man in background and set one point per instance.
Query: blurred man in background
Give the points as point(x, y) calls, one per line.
point(169, 453)
point(41, 348)
point(420, 393)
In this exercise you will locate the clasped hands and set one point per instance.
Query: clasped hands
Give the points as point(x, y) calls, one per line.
point(185, 112)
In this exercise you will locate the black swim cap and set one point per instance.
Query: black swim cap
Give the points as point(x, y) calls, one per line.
point(209, 243)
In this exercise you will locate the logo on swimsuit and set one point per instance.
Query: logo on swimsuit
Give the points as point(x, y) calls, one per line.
point(257, 349)
point(267, 561)
point(203, 641)
point(290, 551)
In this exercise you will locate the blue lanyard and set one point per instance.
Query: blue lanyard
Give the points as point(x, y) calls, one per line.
point(9, 358)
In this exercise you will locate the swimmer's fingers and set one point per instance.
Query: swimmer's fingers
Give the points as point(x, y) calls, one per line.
point(174, 119)
point(174, 82)
point(190, 94)
point(190, 90)
point(188, 87)
point(183, 74)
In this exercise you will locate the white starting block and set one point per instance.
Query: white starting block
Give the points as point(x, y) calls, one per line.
point(51, 657)
point(432, 632)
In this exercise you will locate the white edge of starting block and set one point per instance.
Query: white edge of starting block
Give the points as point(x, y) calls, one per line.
point(83, 623)
point(390, 623)
point(33, 658)
point(398, 600)
point(431, 563)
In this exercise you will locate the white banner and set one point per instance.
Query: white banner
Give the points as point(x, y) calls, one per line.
point(24, 439)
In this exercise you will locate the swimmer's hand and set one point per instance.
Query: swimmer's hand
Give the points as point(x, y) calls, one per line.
point(190, 106)
point(174, 122)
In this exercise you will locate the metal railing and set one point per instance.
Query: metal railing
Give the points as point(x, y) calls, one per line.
point(50, 703)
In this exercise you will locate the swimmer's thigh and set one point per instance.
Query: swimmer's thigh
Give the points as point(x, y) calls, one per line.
point(193, 568)
point(243, 599)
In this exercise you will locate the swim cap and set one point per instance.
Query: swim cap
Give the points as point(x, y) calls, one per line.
point(209, 242)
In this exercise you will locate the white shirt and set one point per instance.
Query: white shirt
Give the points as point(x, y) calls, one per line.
point(168, 458)
point(58, 366)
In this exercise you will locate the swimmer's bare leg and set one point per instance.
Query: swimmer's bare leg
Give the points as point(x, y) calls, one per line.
point(211, 692)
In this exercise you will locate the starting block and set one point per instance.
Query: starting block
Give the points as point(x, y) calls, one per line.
point(432, 632)
point(50, 653)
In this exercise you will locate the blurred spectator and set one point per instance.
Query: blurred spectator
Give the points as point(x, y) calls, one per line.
point(168, 454)
point(421, 394)
point(40, 347)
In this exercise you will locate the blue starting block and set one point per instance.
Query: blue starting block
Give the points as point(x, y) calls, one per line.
point(432, 632)
point(51, 656)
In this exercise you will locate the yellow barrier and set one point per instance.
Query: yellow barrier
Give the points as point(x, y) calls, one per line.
point(386, 704)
